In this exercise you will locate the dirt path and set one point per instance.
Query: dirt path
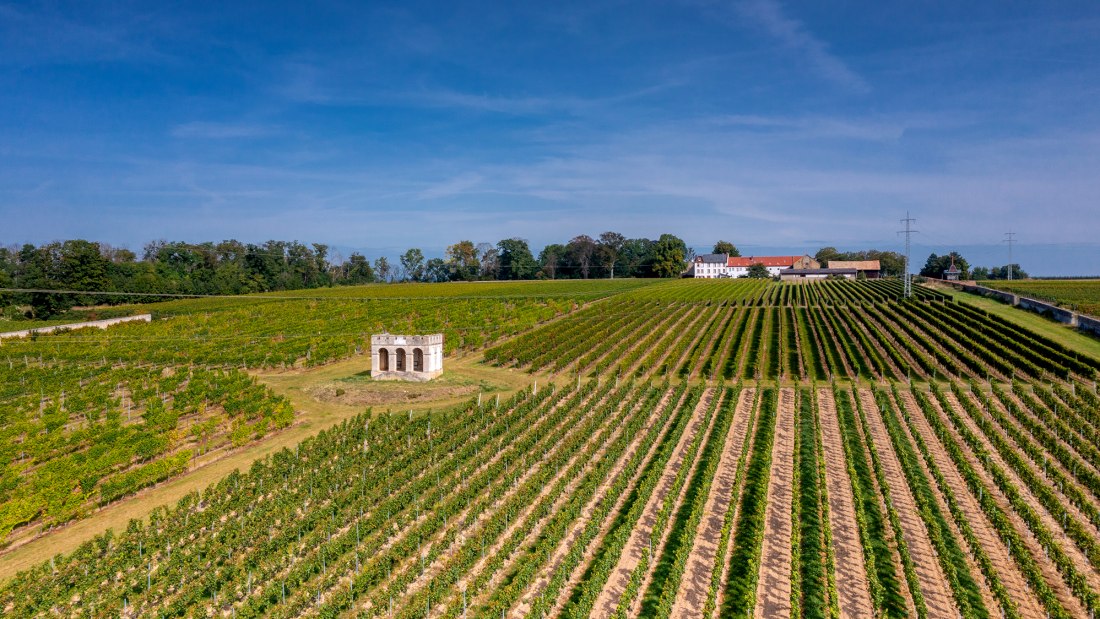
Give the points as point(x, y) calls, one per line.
point(1007, 570)
point(1083, 461)
point(577, 527)
point(1071, 550)
point(685, 321)
point(852, 587)
point(773, 590)
point(708, 403)
point(664, 413)
point(725, 347)
point(695, 584)
point(941, 503)
point(884, 330)
point(588, 447)
point(822, 329)
point(1042, 473)
point(708, 317)
point(1050, 571)
point(639, 538)
point(933, 583)
point(722, 322)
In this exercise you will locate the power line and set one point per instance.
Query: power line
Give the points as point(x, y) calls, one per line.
point(1010, 238)
point(908, 277)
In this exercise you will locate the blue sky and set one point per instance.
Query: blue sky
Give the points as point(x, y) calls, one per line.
point(378, 127)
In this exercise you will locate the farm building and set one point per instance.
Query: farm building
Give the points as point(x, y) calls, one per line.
point(871, 268)
point(709, 266)
point(789, 275)
point(406, 357)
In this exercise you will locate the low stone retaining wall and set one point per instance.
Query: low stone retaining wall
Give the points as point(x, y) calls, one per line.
point(1000, 295)
point(1089, 324)
point(99, 324)
point(1057, 313)
point(1083, 322)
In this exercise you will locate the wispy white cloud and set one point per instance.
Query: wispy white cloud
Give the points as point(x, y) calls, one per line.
point(222, 130)
point(40, 37)
point(869, 129)
point(451, 187)
point(794, 35)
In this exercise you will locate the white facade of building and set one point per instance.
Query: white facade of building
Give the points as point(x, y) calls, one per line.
point(710, 266)
point(406, 357)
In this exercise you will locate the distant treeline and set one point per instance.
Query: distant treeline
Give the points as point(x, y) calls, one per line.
point(233, 267)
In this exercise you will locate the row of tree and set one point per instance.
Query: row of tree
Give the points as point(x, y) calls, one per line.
point(233, 267)
point(583, 257)
point(936, 265)
point(229, 267)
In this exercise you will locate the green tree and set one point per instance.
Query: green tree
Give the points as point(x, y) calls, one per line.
point(38, 269)
point(725, 247)
point(321, 266)
point(7, 278)
point(825, 255)
point(582, 251)
point(412, 261)
point(757, 271)
point(83, 267)
point(382, 269)
point(462, 260)
point(936, 265)
point(1003, 271)
point(608, 248)
point(489, 258)
point(636, 258)
point(516, 260)
point(551, 258)
point(669, 256)
point(437, 270)
point(357, 270)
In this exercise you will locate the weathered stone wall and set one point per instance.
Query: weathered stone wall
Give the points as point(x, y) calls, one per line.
point(1083, 322)
point(1000, 295)
point(1088, 324)
point(1057, 313)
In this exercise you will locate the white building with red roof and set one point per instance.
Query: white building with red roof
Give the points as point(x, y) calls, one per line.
point(709, 266)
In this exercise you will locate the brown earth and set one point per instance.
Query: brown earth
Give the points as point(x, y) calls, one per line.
point(639, 538)
point(1007, 570)
point(933, 583)
point(773, 589)
point(852, 587)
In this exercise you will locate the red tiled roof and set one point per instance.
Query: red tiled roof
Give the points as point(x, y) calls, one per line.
point(768, 261)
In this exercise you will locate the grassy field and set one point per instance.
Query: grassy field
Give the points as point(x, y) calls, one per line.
point(1059, 332)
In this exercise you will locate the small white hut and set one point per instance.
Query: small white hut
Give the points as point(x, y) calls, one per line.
point(406, 357)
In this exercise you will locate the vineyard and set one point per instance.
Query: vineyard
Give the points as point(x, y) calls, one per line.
point(1078, 295)
point(691, 449)
point(92, 416)
point(730, 330)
